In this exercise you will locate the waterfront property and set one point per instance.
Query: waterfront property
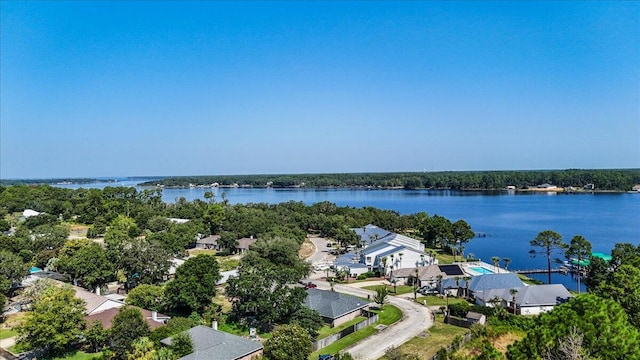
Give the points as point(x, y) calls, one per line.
point(528, 300)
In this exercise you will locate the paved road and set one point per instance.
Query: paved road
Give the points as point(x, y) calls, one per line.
point(321, 253)
point(415, 320)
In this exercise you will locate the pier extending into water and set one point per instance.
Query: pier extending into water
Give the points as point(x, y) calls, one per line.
point(561, 270)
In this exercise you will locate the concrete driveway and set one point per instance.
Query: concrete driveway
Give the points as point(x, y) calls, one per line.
point(416, 319)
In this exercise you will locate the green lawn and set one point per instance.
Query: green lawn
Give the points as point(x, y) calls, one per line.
point(344, 342)
point(433, 300)
point(388, 315)
point(439, 335)
point(17, 348)
point(7, 333)
point(327, 330)
point(80, 355)
point(401, 289)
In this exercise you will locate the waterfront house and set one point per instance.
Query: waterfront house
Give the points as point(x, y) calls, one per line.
point(536, 299)
point(369, 234)
point(335, 308)
point(483, 287)
point(211, 344)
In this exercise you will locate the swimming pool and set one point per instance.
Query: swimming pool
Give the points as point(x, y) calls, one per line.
point(480, 270)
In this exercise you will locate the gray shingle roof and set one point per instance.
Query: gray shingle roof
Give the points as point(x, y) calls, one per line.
point(538, 295)
point(212, 344)
point(494, 281)
point(331, 304)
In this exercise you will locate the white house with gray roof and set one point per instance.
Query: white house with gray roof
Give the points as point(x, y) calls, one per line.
point(335, 308)
point(536, 299)
point(211, 344)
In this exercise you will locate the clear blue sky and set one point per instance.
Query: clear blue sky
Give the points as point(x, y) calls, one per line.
point(120, 88)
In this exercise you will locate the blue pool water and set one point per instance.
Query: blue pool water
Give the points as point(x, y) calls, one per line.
point(480, 270)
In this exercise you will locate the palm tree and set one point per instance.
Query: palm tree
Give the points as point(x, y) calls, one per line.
point(393, 263)
point(467, 278)
point(513, 293)
point(394, 281)
point(506, 261)
point(400, 256)
point(457, 284)
point(421, 259)
point(496, 261)
point(439, 277)
point(384, 266)
point(415, 285)
point(433, 254)
point(549, 241)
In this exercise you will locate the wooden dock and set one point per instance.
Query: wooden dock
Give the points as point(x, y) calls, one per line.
point(561, 270)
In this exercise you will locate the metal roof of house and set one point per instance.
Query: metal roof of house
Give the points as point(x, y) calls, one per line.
point(494, 281)
point(331, 304)
point(213, 344)
point(450, 283)
point(369, 232)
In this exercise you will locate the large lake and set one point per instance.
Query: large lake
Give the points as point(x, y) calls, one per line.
point(509, 220)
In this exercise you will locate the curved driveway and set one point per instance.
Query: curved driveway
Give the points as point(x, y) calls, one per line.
point(415, 320)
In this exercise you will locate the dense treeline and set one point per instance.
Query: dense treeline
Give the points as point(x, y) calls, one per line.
point(621, 180)
point(137, 245)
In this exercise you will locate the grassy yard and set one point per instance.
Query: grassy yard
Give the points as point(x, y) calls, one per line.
point(7, 333)
point(344, 342)
point(439, 301)
point(388, 315)
point(401, 289)
point(79, 355)
point(326, 330)
point(439, 335)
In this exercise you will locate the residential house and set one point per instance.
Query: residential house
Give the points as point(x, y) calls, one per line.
point(427, 275)
point(398, 257)
point(536, 299)
point(351, 262)
point(105, 317)
point(334, 307)
point(484, 288)
point(210, 242)
point(226, 275)
point(95, 303)
point(244, 243)
point(212, 344)
point(370, 234)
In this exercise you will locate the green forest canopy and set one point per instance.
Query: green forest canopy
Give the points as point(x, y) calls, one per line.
point(621, 180)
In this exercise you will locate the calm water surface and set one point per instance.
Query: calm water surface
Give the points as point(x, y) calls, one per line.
point(509, 220)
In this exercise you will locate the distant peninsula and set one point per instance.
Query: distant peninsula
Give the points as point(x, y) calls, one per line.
point(570, 180)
